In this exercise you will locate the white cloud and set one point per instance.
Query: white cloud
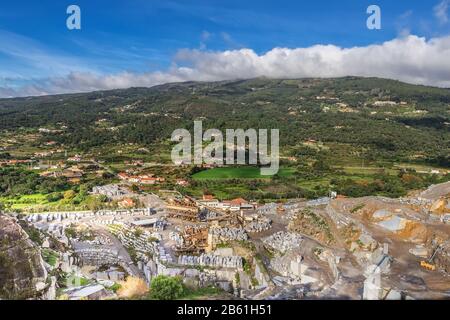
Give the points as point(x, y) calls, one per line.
point(441, 11)
point(410, 58)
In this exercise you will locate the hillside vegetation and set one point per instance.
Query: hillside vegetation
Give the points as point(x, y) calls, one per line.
point(356, 135)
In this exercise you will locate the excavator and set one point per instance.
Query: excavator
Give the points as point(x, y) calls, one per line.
point(428, 264)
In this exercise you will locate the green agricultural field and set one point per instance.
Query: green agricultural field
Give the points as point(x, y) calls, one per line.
point(355, 170)
point(238, 173)
point(27, 202)
point(39, 202)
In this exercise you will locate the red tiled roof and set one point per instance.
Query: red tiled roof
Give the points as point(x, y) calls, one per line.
point(238, 201)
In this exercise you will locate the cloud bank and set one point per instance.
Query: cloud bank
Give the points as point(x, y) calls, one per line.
point(411, 59)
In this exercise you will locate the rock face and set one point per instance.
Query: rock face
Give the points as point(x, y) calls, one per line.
point(22, 271)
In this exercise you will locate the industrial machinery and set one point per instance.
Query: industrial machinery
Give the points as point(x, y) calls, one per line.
point(429, 263)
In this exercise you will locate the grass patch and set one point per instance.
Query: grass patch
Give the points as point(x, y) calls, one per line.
point(238, 173)
point(50, 256)
point(200, 293)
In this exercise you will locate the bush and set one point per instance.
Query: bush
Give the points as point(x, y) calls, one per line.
point(166, 288)
point(55, 196)
point(69, 194)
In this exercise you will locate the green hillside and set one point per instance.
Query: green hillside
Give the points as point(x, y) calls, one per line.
point(356, 135)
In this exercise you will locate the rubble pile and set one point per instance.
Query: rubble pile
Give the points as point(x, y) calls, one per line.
point(98, 256)
point(283, 241)
point(258, 226)
point(99, 240)
point(211, 260)
point(227, 234)
point(205, 277)
point(130, 238)
point(269, 208)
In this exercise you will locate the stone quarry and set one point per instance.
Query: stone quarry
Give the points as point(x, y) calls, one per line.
point(251, 253)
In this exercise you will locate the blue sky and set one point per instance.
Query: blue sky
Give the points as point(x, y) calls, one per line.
point(145, 37)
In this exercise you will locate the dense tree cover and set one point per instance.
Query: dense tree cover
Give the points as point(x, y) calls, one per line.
point(386, 185)
point(15, 182)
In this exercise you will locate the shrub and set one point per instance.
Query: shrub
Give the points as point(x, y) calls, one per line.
point(166, 288)
point(55, 196)
point(69, 194)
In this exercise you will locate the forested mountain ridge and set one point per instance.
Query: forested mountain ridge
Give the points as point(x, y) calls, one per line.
point(385, 119)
